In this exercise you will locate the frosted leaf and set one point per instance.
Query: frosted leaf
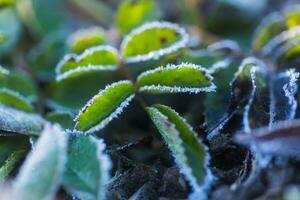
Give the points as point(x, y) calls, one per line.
point(83, 70)
point(283, 90)
point(181, 78)
point(248, 88)
point(221, 64)
point(282, 140)
point(165, 39)
point(280, 39)
point(225, 45)
point(98, 56)
point(15, 121)
point(271, 26)
point(287, 50)
point(88, 166)
point(189, 152)
point(104, 107)
point(41, 173)
point(86, 38)
point(15, 100)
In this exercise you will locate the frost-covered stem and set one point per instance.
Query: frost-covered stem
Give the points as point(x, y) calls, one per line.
point(125, 73)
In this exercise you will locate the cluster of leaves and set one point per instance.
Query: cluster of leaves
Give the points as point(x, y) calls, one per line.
point(60, 122)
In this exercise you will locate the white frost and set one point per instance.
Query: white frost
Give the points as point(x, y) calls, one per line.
point(82, 56)
point(84, 69)
point(176, 89)
point(157, 53)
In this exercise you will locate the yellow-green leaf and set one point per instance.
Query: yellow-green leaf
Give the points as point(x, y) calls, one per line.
point(104, 107)
point(152, 41)
point(181, 78)
point(14, 99)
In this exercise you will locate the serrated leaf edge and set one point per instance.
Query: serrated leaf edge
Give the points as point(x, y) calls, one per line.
point(157, 53)
point(186, 170)
point(177, 89)
point(113, 115)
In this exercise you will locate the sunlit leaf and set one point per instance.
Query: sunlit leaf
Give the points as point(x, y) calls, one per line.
point(271, 26)
point(14, 99)
point(14, 121)
point(152, 41)
point(87, 168)
point(41, 173)
point(85, 38)
point(11, 27)
point(185, 77)
point(7, 2)
point(292, 16)
point(104, 107)
point(101, 57)
point(188, 151)
point(133, 13)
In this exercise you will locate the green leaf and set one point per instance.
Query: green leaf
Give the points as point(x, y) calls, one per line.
point(43, 56)
point(133, 13)
point(10, 26)
point(19, 82)
point(12, 150)
point(271, 26)
point(202, 57)
point(14, 121)
point(216, 104)
point(188, 151)
point(152, 41)
point(39, 15)
point(101, 58)
point(292, 16)
point(41, 173)
point(73, 92)
point(7, 2)
point(14, 99)
point(87, 168)
point(181, 78)
point(86, 38)
point(64, 118)
point(104, 107)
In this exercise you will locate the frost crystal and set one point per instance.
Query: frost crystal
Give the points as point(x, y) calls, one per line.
point(157, 53)
point(86, 53)
point(177, 89)
point(81, 70)
point(113, 115)
point(104, 166)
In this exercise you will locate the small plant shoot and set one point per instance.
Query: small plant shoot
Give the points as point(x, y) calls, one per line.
point(147, 99)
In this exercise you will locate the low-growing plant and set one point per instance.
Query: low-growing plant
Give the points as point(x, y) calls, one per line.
point(54, 120)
